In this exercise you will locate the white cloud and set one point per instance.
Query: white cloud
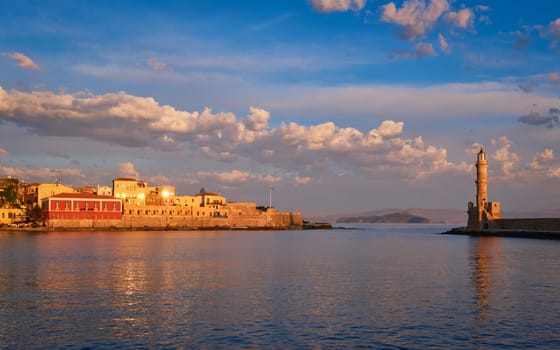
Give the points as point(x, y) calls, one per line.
point(127, 170)
point(554, 172)
point(22, 60)
point(337, 5)
point(133, 121)
point(505, 156)
point(414, 16)
point(460, 19)
point(390, 129)
point(542, 159)
point(234, 176)
point(257, 120)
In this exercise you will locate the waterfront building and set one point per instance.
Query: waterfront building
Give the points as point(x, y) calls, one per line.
point(81, 210)
point(36, 192)
point(11, 215)
point(131, 191)
point(104, 191)
point(160, 195)
point(137, 205)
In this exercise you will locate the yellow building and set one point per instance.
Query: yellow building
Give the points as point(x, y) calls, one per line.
point(36, 192)
point(131, 191)
point(11, 215)
point(186, 201)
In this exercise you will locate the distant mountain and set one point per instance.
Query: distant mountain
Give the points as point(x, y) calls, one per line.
point(436, 216)
point(396, 217)
point(444, 216)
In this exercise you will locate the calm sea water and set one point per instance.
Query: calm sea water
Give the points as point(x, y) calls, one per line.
point(377, 286)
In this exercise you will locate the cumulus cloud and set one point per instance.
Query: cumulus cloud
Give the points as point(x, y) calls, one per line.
point(127, 170)
point(133, 121)
point(505, 156)
point(460, 19)
point(390, 129)
point(337, 5)
point(536, 118)
point(22, 60)
point(257, 120)
point(234, 176)
point(118, 118)
point(414, 16)
point(417, 18)
point(542, 159)
point(555, 172)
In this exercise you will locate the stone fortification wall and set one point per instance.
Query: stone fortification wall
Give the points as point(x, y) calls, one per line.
point(537, 224)
point(83, 223)
point(240, 215)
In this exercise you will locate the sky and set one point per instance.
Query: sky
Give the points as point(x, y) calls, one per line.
point(342, 106)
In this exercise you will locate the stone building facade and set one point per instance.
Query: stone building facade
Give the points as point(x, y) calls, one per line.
point(136, 205)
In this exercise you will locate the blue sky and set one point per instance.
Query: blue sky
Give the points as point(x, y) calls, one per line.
point(343, 105)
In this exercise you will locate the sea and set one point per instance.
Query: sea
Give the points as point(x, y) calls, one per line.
point(370, 286)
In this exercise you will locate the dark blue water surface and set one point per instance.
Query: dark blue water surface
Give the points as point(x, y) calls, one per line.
point(377, 286)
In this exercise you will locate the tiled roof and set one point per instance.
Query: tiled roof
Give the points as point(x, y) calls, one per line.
point(81, 196)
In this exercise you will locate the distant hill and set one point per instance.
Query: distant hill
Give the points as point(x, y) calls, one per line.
point(396, 217)
point(444, 216)
point(435, 216)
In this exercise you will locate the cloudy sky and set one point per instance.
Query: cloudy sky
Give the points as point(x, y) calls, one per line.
point(341, 105)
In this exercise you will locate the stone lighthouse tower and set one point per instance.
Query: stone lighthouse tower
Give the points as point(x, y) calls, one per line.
point(481, 215)
point(481, 181)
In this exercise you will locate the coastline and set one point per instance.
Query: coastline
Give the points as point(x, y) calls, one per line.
point(124, 229)
point(553, 235)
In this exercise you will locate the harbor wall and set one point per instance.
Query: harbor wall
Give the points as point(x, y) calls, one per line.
point(531, 224)
point(237, 216)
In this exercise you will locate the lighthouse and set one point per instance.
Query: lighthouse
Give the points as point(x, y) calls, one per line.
point(481, 181)
point(481, 214)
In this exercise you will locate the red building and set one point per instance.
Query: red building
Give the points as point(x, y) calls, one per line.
point(81, 206)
